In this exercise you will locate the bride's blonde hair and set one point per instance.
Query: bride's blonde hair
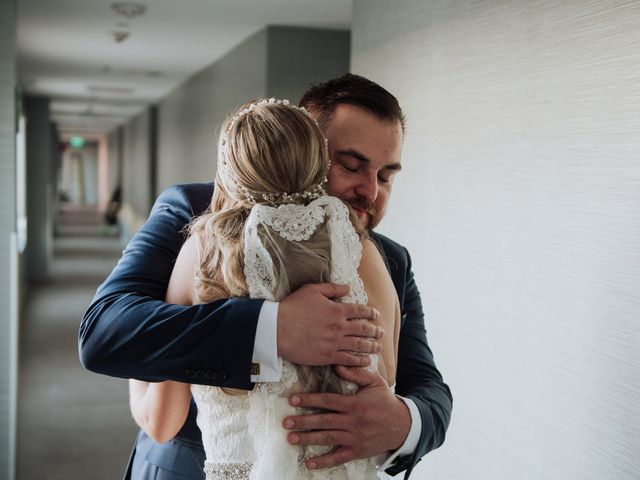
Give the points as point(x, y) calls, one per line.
point(271, 150)
point(271, 153)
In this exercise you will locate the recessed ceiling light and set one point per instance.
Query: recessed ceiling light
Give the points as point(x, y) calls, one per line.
point(128, 9)
point(110, 90)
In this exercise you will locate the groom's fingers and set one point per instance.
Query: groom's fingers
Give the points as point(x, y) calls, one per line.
point(366, 424)
point(349, 359)
point(357, 310)
point(358, 345)
point(323, 437)
point(343, 439)
point(318, 421)
point(340, 455)
point(364, 328)
point(326, 401)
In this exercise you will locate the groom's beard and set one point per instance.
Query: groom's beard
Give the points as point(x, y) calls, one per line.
point(366, 212)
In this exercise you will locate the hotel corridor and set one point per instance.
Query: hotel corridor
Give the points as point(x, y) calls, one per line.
point(72, 424)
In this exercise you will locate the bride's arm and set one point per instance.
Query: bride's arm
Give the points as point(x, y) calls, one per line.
point(382, 295)
point(160, 409)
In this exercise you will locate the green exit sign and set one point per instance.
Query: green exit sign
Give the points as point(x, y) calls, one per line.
point(76, 142)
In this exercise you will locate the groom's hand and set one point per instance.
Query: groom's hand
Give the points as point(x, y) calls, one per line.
point(314, 330)
point(369, 423)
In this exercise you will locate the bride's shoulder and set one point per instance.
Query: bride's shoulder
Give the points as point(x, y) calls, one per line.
point(372, 263)
point(395, 255)
point(182, 284)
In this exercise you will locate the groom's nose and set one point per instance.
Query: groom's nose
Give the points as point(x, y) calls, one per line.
point(367, 187)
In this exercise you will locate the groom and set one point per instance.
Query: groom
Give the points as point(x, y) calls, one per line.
point(129, 332)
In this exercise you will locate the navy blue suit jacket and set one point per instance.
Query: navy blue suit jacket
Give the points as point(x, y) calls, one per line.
point(129, 332)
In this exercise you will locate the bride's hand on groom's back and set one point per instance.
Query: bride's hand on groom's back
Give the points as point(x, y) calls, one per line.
point(314, 330)
point(371, 422)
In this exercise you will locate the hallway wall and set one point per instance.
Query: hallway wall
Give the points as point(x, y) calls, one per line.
point(190, 116)
point(8, 262)
point(519, 201)
point(275, 61)
point(301, 57)
point(136, 165)
point(136, 174)
point(114, 160)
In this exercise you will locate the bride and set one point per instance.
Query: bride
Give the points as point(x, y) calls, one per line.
point(270, 229)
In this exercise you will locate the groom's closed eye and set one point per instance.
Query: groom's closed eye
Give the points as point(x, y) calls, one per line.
point(354, 161)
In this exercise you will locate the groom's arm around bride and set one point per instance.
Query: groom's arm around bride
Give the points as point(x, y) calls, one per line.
point(129, 332)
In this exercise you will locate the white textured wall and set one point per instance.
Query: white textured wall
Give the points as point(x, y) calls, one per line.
point(520, 202)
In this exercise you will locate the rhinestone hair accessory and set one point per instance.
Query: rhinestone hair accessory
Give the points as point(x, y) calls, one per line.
point(275, 198)
point(255, 105)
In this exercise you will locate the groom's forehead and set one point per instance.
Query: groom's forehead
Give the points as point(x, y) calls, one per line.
point(348, 116)
point(354, 127)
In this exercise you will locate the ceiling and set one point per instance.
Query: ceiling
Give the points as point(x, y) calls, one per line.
point(100, 66)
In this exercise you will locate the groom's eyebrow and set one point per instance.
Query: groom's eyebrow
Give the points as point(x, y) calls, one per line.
point(362, 158)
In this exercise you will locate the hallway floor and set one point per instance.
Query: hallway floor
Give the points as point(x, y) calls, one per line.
point(72, 424)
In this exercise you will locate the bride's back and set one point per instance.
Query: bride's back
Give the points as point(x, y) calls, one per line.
point(271, 229)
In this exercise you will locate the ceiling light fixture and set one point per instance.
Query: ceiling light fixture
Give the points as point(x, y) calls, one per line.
point(128, 9)
point(109, 90)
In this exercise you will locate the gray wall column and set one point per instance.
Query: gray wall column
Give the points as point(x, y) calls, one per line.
point(153, 153)
point(56, 165)
point(39, 188)
point(300, 57)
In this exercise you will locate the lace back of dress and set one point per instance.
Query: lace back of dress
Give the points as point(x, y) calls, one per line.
point(285, 248)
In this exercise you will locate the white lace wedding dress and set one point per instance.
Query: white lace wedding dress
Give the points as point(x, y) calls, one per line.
point(242, 434)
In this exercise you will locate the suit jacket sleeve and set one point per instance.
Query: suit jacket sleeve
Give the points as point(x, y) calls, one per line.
point(129, 332)
point(417, 376)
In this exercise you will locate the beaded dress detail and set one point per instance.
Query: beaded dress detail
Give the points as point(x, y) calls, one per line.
point(242, 434)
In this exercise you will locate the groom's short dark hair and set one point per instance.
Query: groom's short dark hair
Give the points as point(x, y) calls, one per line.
point(322, 99)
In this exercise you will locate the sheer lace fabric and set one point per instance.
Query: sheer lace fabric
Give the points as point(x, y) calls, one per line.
point(222, 418)
point(285, 247)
